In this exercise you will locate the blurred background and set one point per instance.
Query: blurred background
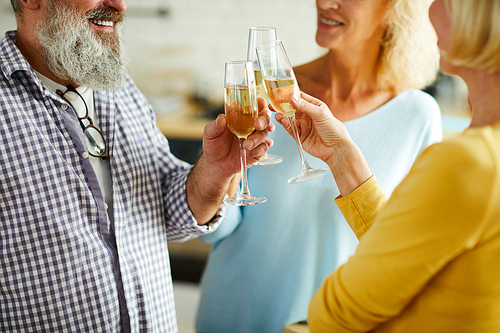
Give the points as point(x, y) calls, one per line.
point(177, 51)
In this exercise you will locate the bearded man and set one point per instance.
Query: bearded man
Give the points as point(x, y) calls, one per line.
point(89, 191)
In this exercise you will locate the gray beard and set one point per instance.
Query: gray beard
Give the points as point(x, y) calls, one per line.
point(74, 53)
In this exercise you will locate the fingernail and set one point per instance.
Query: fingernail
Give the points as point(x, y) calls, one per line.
point(249, 144)
point(262, 123)
point(295, 97)
point(217, 120)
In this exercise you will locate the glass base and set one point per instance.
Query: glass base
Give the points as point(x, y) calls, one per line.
point(245, 200)
point(269, 159)
point(308, 174)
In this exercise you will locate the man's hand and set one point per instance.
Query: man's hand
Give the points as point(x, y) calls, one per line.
point(209, 179)
point(220, 145)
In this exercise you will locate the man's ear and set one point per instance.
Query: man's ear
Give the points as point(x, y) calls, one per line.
point(31, 4)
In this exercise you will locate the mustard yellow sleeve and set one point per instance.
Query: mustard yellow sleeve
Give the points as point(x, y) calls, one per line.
point(429, 220)
point(362, 206)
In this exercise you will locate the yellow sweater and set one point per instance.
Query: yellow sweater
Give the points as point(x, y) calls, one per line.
point(429, 258)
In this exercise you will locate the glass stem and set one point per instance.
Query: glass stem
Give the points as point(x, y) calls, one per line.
point(243, 161)
point(303, 160)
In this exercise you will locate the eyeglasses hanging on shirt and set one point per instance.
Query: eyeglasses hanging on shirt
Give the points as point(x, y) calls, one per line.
point(96, 143)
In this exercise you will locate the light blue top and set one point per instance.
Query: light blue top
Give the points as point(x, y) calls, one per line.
point(269, 259)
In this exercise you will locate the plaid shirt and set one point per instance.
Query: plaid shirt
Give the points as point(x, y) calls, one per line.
point(61, 268)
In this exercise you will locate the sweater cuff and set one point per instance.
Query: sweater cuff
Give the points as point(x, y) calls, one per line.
point(362, 206)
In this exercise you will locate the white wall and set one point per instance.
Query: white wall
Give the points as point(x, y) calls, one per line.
point(7, 19)
point(185, 51)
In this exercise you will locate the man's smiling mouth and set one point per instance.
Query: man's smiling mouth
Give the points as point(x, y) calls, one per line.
point(101, 22)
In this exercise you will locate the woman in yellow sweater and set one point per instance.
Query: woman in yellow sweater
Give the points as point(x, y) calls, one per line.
point(429, 257)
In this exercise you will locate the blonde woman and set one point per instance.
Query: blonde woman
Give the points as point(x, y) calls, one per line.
point(268, 261)
point(428, 257)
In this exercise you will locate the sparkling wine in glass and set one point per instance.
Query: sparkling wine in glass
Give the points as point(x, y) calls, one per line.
point(241, 109)
point(257, 36)
point(279, 82)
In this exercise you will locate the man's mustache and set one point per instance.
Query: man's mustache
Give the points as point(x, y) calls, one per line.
point(105, 14)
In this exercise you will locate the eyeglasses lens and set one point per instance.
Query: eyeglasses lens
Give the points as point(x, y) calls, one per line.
point(95, 141)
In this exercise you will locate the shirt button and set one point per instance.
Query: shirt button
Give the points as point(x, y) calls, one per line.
point(85, 154)
point(106, 205)
point(64, 107)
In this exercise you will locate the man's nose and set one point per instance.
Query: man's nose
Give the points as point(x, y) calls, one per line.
point(119, 5)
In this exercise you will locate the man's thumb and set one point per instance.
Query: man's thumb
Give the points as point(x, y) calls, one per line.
point(217, 127)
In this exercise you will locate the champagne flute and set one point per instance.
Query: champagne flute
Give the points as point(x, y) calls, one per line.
point(279, 82)
point(241, 108)
point(257, 36)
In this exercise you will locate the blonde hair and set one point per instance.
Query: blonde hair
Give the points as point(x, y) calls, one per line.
point(410, 56)
point(475, 34)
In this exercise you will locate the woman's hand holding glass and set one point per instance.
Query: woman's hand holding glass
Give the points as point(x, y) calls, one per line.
point(325, 137)
point(319, 131)
point(279, 82)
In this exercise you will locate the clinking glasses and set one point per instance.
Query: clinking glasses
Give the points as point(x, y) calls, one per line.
point(96, 144)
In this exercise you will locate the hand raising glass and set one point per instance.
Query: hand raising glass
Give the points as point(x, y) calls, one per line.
point(240, 105)
point(279, 82)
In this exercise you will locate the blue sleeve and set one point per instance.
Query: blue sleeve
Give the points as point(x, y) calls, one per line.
point(226, 227)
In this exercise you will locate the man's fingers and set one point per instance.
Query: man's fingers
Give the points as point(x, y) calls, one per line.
point(262, 121)
point(255, 139)
point(261, 103)
point(260, 150)
point(215, 128)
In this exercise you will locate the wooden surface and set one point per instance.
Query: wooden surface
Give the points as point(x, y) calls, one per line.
point(296, 328)
point(194, 248)
point(186, 123)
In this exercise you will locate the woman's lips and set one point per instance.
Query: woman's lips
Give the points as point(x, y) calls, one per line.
point(329, 22)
